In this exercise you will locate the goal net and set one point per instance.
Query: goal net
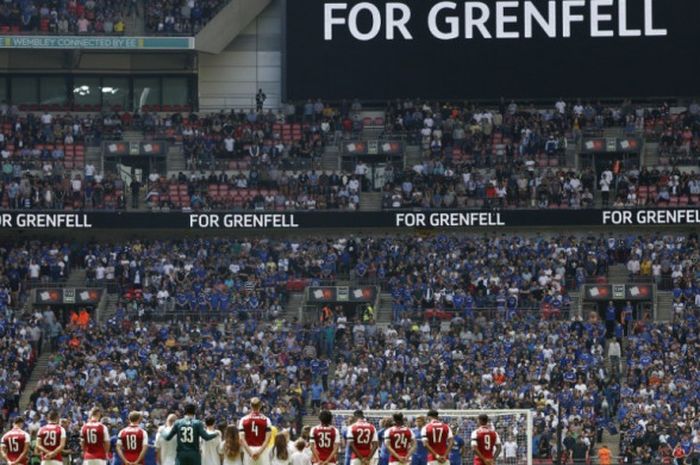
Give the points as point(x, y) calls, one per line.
point(513, 426)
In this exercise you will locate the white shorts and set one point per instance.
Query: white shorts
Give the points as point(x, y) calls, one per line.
point(51, 462)
point(264, 458)
point(372, 460)
point(94, 462)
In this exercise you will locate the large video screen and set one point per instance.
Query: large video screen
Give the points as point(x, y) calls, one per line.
point(489, 49)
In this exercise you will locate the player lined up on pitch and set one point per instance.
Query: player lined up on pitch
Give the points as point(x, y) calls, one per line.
point(253, 441)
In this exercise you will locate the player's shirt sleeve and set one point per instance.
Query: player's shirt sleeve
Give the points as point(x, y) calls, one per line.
point(312, 435)
point(375, 437)
point(119, 438)
point(337, 436)
point(387, 436)
point(348, 435)
point(449, 433)
point(240, 425)
point(474, 441)
point(63, 433)
point(498, 438)
point(268, 424)
point(145, 438)
point(424, 434)
point(167, 436)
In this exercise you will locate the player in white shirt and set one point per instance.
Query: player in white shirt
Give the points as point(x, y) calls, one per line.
point(166, 450)
point(510, 451)
point(210, 449)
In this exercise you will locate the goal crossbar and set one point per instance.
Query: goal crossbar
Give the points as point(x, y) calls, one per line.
point(527, 414)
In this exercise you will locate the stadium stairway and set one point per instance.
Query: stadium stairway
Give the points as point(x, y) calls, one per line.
point(38, 373)
point(296, 301)
point(110, 307)
point(371, 201)
point(613, 442)
point(618, 274)
point(176, 159)
point(76, 278)
point(94, 157)
point(650, 154)
point(136, 25)
point(309, 420)
point(576, 304)
point(331, 158)
point(132, 136)
point(664, 306)
point(413, 156)
point(384, 312)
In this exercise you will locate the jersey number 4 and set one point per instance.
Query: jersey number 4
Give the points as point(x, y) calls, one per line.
point(186, 435)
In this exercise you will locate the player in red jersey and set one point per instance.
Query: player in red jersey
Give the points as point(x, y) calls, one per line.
point(485, 442)
point(399, 441)
point(14, 447)
point(51, 440)
point(325, 440)
point(362, 439)
point(254, 430)
point(132, 441)
point(94, 439)
point(437, 437)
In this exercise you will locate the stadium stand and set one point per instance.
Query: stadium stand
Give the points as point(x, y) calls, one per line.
point(106, 17)
point(175, 293)
point(260, 189)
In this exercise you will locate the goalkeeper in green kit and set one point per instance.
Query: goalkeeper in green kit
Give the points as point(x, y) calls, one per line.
point(189, 431)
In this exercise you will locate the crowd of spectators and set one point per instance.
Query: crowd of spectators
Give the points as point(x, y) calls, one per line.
point(54, 190)
point(658, 414)
point(256, 189)
point(435, 184)
point(288, 138)
point(444, 273)
point(175, 363)
point(186, 17)
point(68, 17)
point(231, 336)
point(650, 187)
point(678, 135)
point(20, 340)
point(22, 333)
point(180, 16)
point(559, 369)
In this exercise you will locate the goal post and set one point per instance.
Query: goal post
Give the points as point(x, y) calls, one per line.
point(513, 426)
